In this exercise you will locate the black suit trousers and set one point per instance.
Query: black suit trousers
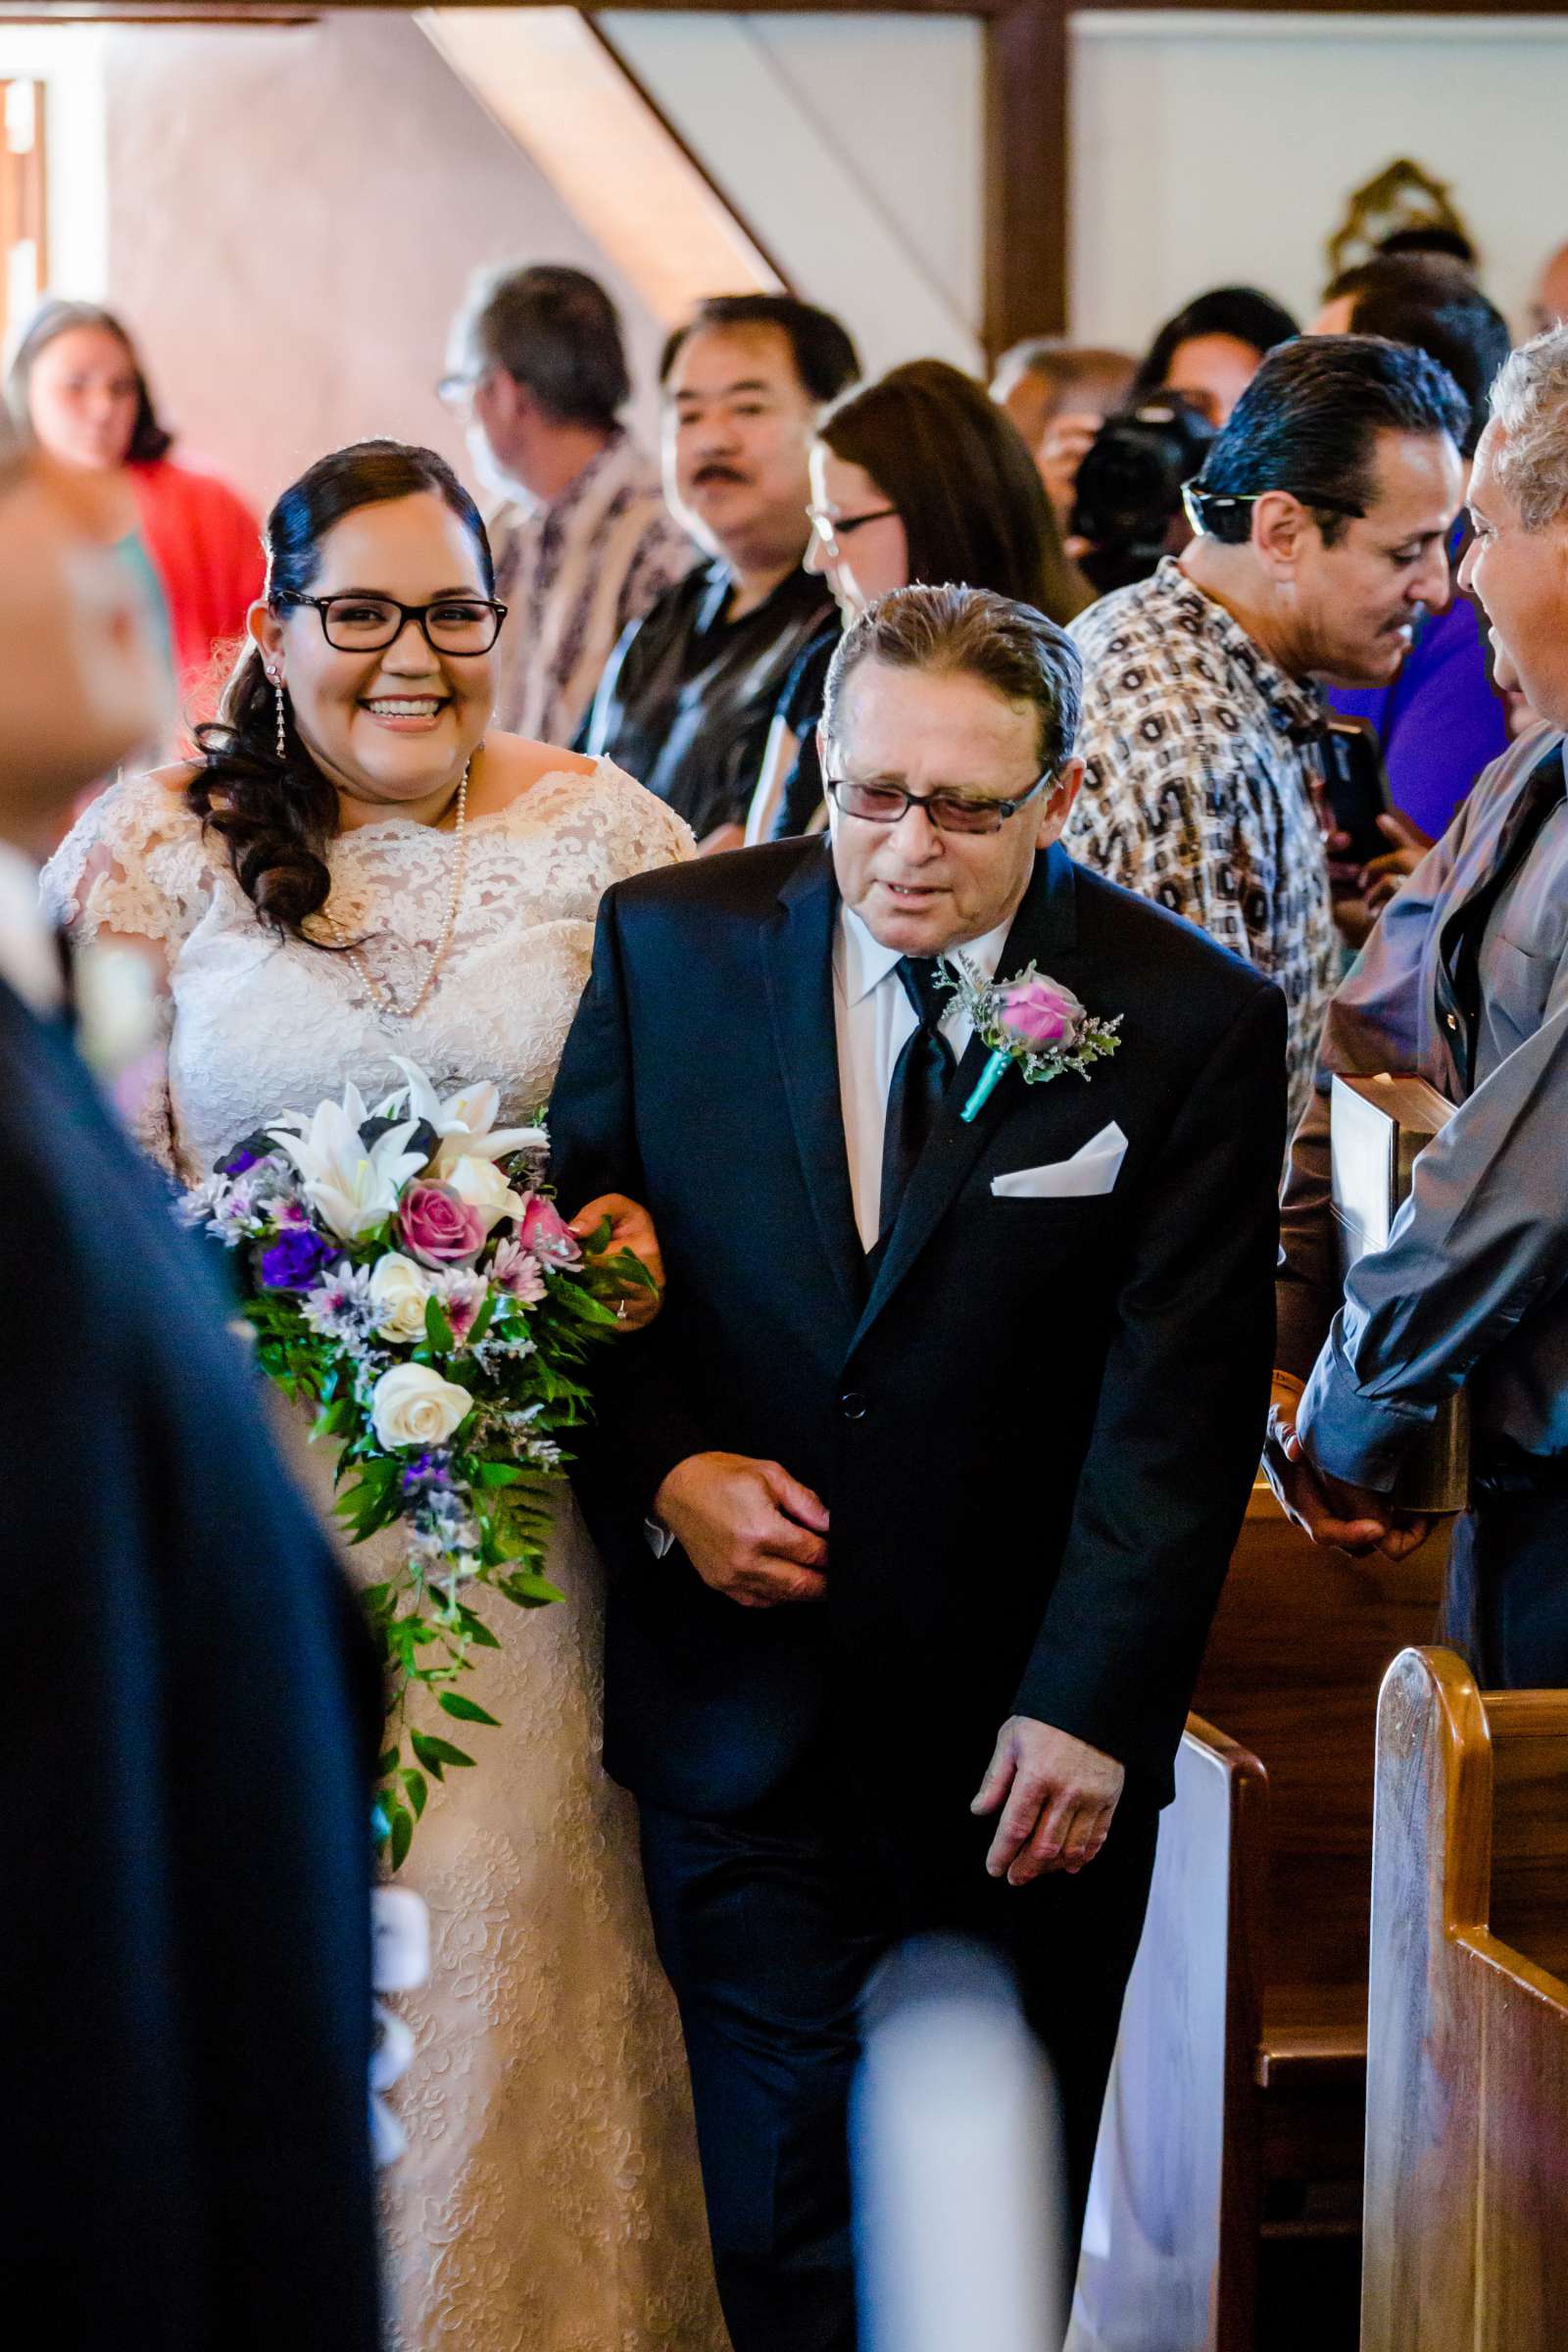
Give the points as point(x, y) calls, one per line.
point(769, 1925)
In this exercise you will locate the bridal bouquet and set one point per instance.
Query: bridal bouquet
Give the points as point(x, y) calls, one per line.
point(405, 1270)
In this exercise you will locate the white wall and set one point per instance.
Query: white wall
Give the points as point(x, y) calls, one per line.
point(293, 215)
point(1211, 148)
point(70, 62)
point(851, 147)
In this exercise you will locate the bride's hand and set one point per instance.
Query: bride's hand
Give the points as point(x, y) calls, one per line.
point(630, 1227)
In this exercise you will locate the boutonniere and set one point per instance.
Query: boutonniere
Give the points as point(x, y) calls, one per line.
point(1031, 1022)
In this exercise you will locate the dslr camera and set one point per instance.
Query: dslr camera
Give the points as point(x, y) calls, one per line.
point(1127, 502)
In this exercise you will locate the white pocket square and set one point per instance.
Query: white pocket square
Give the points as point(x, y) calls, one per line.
point(1094, 1168)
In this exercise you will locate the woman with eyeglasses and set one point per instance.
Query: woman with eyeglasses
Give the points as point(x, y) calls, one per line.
point(359, 867)
point(920, 478)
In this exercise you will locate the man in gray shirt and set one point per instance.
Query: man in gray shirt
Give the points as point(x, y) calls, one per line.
point(1466, 981)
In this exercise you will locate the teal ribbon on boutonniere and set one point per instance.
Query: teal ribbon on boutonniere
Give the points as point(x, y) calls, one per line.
point(1031, 1023)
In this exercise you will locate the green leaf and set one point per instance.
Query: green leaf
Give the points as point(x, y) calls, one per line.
point(477, 1631)
point(419, 1789)
point(386, 1763)
point(466, 1710)
point(485, 1317)
point(433, 1753)
point(437, 1330)
point(528, 1590)
point(402, 1835)
point(499, 1474)
point(336, 1420)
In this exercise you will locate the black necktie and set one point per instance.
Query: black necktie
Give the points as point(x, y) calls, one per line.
point(1458, 977)
point(921, 1078)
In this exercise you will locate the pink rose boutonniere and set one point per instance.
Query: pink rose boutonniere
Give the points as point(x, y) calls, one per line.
point(1030, 1021)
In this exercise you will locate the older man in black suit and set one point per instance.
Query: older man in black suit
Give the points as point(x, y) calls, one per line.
point(945, 1432)
point(190, 1713)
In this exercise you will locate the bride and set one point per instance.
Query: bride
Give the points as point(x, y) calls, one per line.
point(355, 869)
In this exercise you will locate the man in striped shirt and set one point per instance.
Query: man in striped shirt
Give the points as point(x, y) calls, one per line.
point(585, 543)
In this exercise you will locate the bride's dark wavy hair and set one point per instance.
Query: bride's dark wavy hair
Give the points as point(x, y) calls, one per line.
point(277, 816)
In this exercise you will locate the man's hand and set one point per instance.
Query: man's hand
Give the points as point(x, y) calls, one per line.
point(630, 1227)
point(1327, 1509)
point(1060, 1794)
point(750, 1530)
point(1064, 445)
point(1384, 875)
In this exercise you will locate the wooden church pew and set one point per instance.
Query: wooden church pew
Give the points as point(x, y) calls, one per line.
point(1466, 2226)
point(1236, 2111)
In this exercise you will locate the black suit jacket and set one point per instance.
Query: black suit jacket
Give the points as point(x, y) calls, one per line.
point(1035, 1431)
point(190, 1725)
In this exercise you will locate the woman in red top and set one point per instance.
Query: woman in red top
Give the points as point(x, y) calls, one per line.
point(77, 387)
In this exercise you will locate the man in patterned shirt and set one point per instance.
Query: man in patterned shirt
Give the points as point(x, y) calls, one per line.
point(585, 543)
point(1322, 513)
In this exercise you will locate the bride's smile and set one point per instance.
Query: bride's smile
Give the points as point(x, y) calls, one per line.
point(387, 657)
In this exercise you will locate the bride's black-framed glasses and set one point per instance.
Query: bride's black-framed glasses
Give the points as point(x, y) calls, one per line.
point(353, 623)
point(948, 811)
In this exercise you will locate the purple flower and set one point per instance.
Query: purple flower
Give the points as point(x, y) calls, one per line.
point(426, 1473)
point(294, 1261)
point(245, 1154)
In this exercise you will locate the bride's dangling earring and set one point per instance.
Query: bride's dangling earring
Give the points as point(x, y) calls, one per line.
point(283, 715)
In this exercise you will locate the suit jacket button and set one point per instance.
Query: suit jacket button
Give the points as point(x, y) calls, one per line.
point(852, 1404)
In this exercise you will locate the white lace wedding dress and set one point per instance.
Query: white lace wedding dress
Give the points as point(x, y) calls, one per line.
point(549, 2201)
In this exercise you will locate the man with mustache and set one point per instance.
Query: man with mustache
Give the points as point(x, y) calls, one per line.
point(1322, 516)
point(688, 697)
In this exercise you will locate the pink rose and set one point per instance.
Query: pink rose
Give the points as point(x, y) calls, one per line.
point(1040, 1013)
point(439, 1228)
point(545, 1231)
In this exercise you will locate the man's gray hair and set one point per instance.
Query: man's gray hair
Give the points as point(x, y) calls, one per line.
point(1007, 645)
point(1529, 405)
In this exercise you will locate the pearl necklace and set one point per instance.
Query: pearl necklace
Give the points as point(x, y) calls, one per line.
point(383, 998)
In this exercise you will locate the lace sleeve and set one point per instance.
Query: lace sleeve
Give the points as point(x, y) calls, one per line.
point(643, 831)
point(133, 867)
point(134, 863)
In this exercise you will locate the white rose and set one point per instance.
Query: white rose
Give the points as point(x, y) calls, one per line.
point(481, 1184)
point(411, 1405)
point(399, 1290)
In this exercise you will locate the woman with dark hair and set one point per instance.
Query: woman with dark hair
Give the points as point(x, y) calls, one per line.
point(918, 478)
point(77, 387)
point(358, 867)
point(1212, 349)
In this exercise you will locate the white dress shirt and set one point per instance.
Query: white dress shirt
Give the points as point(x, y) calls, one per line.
point(873, 1018)
point(29, 963)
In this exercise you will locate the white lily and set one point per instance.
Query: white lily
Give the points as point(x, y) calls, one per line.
point(466, 1121)
point(481, 1184)
point(351, 1189)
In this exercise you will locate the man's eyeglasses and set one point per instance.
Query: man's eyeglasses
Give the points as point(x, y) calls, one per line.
point(948, 811)
point(456, 392)
point(831, 529)
point(364, 624)
point(1203, 505)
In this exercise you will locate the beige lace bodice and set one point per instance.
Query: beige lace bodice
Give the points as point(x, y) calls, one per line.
point(259, 1026)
